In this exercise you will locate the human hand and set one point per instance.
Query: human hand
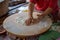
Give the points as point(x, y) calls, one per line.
point(37, 20)
point(28, 21)
point(40, 16)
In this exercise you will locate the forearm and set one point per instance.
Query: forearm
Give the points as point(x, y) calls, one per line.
point(31, 8)
point(47, 11)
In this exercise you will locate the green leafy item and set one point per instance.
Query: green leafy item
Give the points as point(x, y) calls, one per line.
point(50, 35)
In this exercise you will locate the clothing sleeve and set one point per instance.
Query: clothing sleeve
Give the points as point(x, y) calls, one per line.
point(53, 3)
point(33, 1)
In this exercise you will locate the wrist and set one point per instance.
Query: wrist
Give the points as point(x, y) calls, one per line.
point(43, 14)
point(30, 16)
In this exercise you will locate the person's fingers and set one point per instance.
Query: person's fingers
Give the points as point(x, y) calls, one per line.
point(39, 14)
point(35, 21)
point(28, 22)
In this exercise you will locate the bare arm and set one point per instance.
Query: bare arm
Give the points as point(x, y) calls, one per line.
point(30, 14)
point(47, 11)
point(31, 8)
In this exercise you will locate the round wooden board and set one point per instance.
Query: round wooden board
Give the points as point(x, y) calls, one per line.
point(15, 25)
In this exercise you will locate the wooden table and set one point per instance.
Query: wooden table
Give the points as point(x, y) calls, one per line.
point(15, 26)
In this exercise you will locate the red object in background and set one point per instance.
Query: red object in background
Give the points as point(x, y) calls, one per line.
point(44, 4)
point(59, 14)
